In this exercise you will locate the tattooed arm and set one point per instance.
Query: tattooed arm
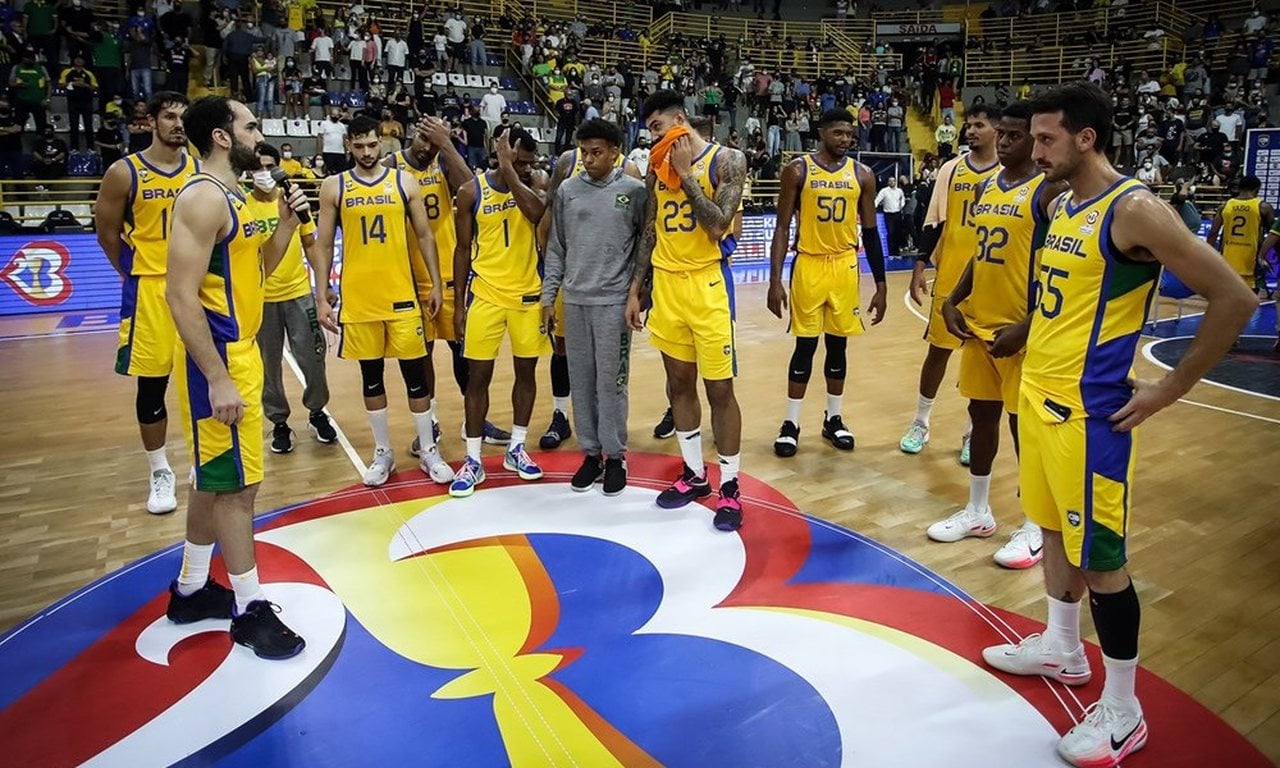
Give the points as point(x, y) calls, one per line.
point(715, 214)
point(644, 255)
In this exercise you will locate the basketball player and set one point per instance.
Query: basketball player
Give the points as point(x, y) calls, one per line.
point(569, 164)
point(441, 171)
point(950, 239)
point(1239, 227)
point(1272, 240)
point(1079, 402)
point(830, 195)
point(133, 217)
point(380, 316)
point(499, 212)
point(218, 256)
point(990, 310)
point(695, 188)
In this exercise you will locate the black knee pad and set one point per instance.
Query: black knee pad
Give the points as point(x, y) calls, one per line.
point(836, 359)
point(150, 400)
point(371, 377)
point(415, 377)
point(802, 359)
point(560, 376)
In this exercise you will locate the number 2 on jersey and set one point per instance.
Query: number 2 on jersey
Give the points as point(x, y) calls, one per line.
point(373, 229)
point(989, 241)
point(1238, 223)
point(672, 210)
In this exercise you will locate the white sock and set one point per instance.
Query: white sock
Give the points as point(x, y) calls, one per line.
point(473, 447)
point(691, 450)
point(968, 430)
point(434, 419)
point(833, 404)
point(979, 491)
point(793, 410)
point(561, 404)
point(381, 430)
point(729, 467)
point(158, 460)
point(1118, 686)
point(426, 436)
point(1063, 632)
point(247, 589)
point(924, 407)
point(195, 567)
point(518, 435)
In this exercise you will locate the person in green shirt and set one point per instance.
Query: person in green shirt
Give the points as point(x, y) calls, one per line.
point(29, 83)
point(711, 98)
point(108, 61)
point(40, 20)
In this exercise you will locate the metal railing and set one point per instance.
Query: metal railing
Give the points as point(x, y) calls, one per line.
point(1065, 63)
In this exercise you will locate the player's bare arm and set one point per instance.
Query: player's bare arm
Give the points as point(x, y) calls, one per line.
point(530, 198)
point(788, 195)
point(1147, 229)
point(1215, 230)
point(464, 223)
point(277, 246)
point(326, 231)
point(108, 210)
point(426, 241)
point(311, 252)
point(564, 165)
point(457, 172)
point(714, 215)
point(871, 240)
point(644, 255)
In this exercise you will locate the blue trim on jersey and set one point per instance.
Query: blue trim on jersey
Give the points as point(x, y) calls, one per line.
point(711, 169)
point(182, 167)
point(493, 186)
point(1072, 209)
point(969, 164)
point(362, 182)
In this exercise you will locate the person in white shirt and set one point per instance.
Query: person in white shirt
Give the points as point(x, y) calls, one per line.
point(1230, 122)
point(322, 55)
point(890, 200)
point(1148, 174)
point(1147, 83)
point(640, 156)
point(1255, 23)
point(397, 53)
point(492, 105)
point(441, 43)
point(455, 30)
point(331, 141)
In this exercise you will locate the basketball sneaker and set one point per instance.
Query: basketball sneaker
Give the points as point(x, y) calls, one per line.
point(1034, 656)
point(834, 430)
point(281, 438)
point(470, 474)
point(494, 435)
point(688, 487)
point(587, 475)
point(259, 629)
point(517, 460)
point(1108, 734)
point(788, 440)
point(212, 601)
point(963, 524)
point(383, 464)
point(1024, 549)
point(916, 439)
point(163, 498)
point(615, 477)
point(322, 428)
point(729, 507)
point(964, 450)
point(557, 432)
point(434, 465)
point(666, 426)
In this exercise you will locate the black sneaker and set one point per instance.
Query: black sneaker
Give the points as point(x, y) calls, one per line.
point(667, 427)
point(834, 430)
point(259, 629)
point(212, 601)
point(615, 477)
point(788, 440)
point(556, 433)
point(729, 508)
point(587, 474)
point(281, 439)
point(322, 428)
point(688, 487)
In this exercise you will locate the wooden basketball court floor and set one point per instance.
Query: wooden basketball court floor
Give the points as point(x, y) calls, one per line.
point(1203, 543)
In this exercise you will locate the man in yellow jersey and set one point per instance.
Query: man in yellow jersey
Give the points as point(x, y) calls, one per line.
point(694, 190)
point(380, 210)
point(219, 255)
point(950, 240)
point(1079, 402)
point(990, 310)
point(133, 216)
point(569, 164)
point(497, 248)
point(290, 310)
point(829, 194)
point(1270, 242)
point(1239, 227)
point(441, 171)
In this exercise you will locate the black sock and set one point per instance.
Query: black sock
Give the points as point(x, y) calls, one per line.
point(1116, 617)
point(559, 376)
point(460, 369)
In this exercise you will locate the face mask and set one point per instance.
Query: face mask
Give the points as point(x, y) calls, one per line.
point(287, 154)
point(141, 13)
point(493, 90)
point(334, 118)
point(1147, 165)
point(263, 182)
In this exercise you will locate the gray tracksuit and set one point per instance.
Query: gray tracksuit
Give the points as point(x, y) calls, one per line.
point(595, 231)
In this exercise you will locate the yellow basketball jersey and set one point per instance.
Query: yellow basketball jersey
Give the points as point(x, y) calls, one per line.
point(682, 245)
point(1242, 233)
point(376, 282)
point(959, 238)
point(148, 212)
point(504, 262)
point(1091, 308)
point(290, 280)
point(438, 200)
point(1010, 228)
point(232, 290)
point(828, 208)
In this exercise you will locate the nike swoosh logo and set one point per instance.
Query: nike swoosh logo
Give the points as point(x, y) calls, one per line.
point(157, 413)
point(1036, 550)
point(713, 284)
point(1115, 746)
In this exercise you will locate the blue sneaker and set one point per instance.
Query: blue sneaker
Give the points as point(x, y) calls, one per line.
point(470, 474)
point(517, 460)
point(494, 435)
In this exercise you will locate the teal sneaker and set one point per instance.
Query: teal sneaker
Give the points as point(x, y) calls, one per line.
point(916, 439)
point(964, 450)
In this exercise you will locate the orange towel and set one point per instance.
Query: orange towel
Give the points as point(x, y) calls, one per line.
point(660, 157)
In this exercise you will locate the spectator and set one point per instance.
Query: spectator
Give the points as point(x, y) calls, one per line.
point(177, 66)
point(236, 49)
point(1172, 133)
point(1122, 123)
point(77, 22)
point(80, 86)
point(477, 54)
point(945, 137)
point(492, 105)
point(331, 141)
point(891, 201)
point(425, 98)
point(322, 54)
point(791, 135)
point(1260, 50)
point(139, 127)
point(1230, 122)
point(1147, 85)
point(1148, 174)
point(476, 131)
point(589, 110)
point(355, 60)
point(294, 104)
point(776, 120)
point(397, 52)
point(896, 116)
point(1207, 177)
point(947, 100)
point(1255, 23)
point(317, 167)
point(440, 41)
point(566, 109)
point(1210, 145)
point(262, 65)
point(451, 104)
point(13, 163)
point(107, 141)
point(1146, 144)
point(31, 90)
point(290, 164)
point(140, 36)
point(390, 133)
point(455, 31)
point(639, 156)
point(40, 19)
point(879, 128)
point(50, 158)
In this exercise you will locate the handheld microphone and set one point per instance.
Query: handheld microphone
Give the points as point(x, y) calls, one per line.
point(282, 179)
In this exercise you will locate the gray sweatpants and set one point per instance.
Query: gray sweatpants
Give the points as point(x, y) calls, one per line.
point(598, 346)
point(295, 319)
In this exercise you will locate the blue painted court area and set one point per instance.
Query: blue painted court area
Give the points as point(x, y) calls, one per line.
point(1262, 324)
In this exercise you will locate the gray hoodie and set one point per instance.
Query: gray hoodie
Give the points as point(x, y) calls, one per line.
point(595, 231)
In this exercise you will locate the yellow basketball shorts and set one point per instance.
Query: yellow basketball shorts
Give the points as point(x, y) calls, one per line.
point(559, 306)
point(487, 323)
point(936, 332)
point(147, 333)
point(983, 377)
point(401, 338)
point(1076, 477)
point(824, 296)
point(222, 458)
point(692, 319)
point(441, 326)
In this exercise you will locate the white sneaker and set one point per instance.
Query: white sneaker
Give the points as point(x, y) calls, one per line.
point(964, 448)
point(1033, 656)
point(162, 499)
point(1107, 735)
point(963, 524)
point(383, 464)
point(1024, 548)
point(435, 466)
